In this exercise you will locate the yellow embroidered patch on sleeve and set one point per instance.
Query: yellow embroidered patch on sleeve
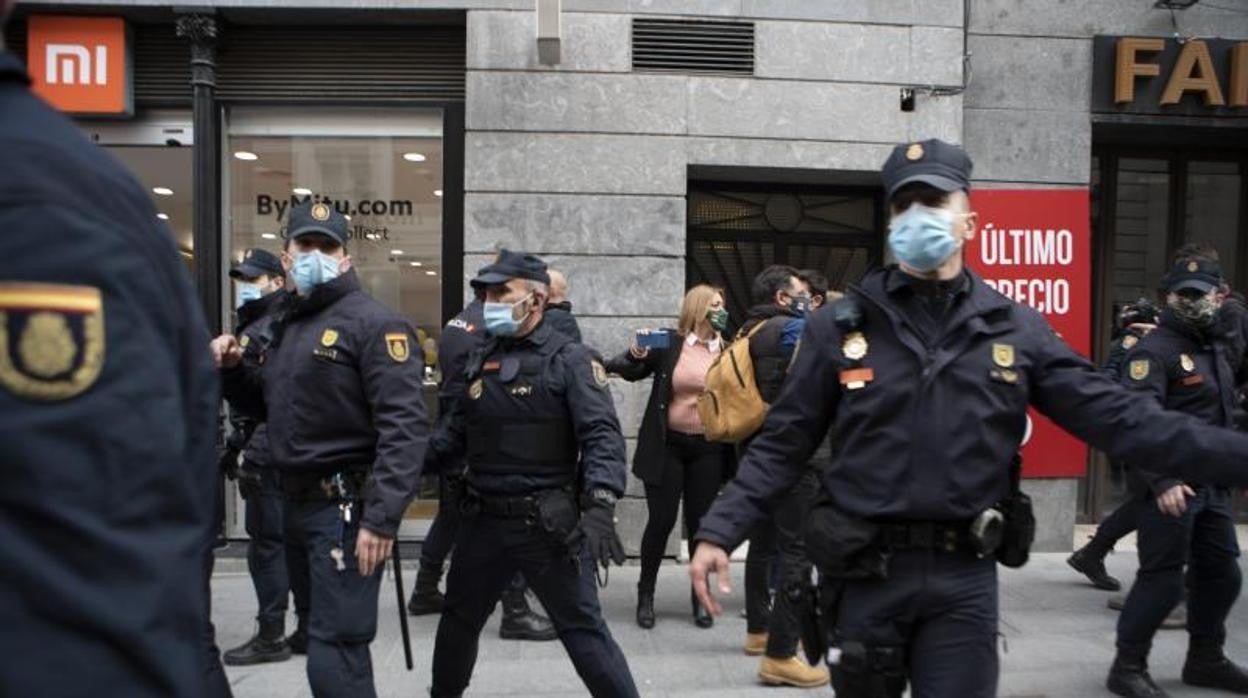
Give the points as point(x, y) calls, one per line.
point(51, 339)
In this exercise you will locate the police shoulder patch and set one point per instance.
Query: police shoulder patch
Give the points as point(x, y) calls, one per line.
point(397, 346)
point(1130, 341)
point(600, 373)
point(329, 337)
point(476, 389)
point(51, 339)
point(1003, 355)
point(1138, 369)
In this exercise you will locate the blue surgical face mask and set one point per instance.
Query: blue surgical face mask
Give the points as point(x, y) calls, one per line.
point(922, 237)
point(246, 293)
point(311, 269)
point(500, 318)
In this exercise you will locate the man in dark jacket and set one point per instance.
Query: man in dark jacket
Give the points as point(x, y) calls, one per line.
point(347, 432)
point(108, 408)
point(781, 301)
point(559, 308)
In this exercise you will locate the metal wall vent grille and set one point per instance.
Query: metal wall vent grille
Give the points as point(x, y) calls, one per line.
point(693, 46)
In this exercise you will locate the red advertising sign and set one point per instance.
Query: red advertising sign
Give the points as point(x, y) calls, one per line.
point(1035, 246)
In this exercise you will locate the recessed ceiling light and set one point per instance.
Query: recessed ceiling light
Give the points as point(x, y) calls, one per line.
point(246, 155)
point(346, 216)
point(269, 236)
point(163, 216)
point(301, 191)
point(396, 251)
point(162, 191)
point(431, 273)
point(413, 157)
point(372, 236)
point(415, 264)
point(437, 192)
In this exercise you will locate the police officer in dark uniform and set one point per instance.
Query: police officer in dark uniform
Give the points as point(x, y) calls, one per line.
point(462, 335)
point(260, 297)
point(925, 373)
point(108, 408)
point(347, 432)
point(1184, 365)
point(536, 405)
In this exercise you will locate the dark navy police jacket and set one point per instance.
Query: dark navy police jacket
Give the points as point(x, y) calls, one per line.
point(108, 405)
point(929, 435)
point(345, 387)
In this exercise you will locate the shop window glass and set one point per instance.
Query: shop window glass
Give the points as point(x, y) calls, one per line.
point(1141, 216)
point(1213, 216)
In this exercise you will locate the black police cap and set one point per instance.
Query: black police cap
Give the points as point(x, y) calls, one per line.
point(942, 165)
point(1193, 274)
point(255, 263)
point(511, 265)
point(317, 218)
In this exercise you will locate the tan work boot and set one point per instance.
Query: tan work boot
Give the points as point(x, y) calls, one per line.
point(791, 672)
point(755, 643)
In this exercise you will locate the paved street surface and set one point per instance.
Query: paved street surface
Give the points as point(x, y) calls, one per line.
point(1058, 633)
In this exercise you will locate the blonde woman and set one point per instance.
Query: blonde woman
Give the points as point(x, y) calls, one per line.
point(674, 459)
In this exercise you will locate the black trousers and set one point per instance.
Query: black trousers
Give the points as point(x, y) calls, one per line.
point(1118, 524)
point(343, 605)
point(266, 552)
point(487, 554)
point(216, 685)
point(692, 471)
point(1203, 541)
point(785, 626)
point(442, 532)
point(936, 613)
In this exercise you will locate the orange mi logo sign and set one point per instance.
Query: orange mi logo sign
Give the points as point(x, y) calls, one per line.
point(80, 65)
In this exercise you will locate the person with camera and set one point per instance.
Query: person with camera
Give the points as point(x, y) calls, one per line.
point(925, 374)
point(674, 459)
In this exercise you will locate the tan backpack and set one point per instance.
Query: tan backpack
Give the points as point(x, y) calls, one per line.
point(731, 407)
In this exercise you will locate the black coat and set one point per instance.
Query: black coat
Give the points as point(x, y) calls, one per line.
point(652, 439)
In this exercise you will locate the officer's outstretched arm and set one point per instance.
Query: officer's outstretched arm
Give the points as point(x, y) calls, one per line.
point(594, 420)
point(794, 427)
point(393, 383)
point(1068, 389)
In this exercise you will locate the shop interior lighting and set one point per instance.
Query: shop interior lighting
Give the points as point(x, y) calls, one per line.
point(413, 157)
point(162, 191)
point(163, 216)
point(415, 264)
point(372, 236)
point(437, 193)
point(346, 216)
point(301, 191)
point(269, 236)
point(246, 155)
point(396, 252)
point(431, 273)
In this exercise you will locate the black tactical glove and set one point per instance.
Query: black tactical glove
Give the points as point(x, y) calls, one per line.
point(248, 482)
point(597, 529)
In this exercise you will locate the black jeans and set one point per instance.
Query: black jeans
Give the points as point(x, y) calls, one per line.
point(691, 469)
point(488, 553)
point(266, 552)
point(785, 626)
point(1203, 541)
point(1118, 524)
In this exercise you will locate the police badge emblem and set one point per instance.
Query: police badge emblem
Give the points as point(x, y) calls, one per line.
point(396, 346)
point(600, 373)
point(914, 152)
point(329, 337)
point(1193, 266)
point(320, 212)
point(1003, 355)
point(1130, 341)
point(1187, 363)
point(855, 346)
point(59, 333)
point(1139, 369)
point(476, 389)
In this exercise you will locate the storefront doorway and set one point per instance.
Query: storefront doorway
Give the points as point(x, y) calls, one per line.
point(1146, 203)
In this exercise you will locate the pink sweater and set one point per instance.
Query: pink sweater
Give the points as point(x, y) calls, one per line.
point(688, 382)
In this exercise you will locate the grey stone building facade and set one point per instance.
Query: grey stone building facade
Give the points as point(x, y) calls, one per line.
point(608, 168)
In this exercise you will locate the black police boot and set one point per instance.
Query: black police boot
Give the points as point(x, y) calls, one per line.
point(426, 598)
point(1091, 564)
point(645, 609)
point(520, 622)
point(268, 645)
point(1208, 667)
point(701, 617)
point(1129, 677)
point(298, 640)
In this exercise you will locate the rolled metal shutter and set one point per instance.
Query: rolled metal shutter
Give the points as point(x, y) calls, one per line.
point(323, 64)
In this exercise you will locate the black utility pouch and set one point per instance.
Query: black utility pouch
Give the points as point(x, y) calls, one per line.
point(1020, 521)
point(843, 546)
point(557, 514)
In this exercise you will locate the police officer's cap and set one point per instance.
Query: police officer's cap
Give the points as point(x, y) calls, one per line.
point(511, 265)
point(311, 217)
point(255, 263)
point(1194, 275)
point(933, 161)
